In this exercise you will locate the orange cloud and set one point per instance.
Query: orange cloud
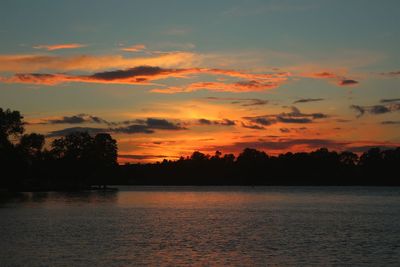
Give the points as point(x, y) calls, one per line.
point(134, 48)
point(145, 74)
point(33, 63)
point(340, 79)
point(59, 46)
point(320, 75)
point(137, 75)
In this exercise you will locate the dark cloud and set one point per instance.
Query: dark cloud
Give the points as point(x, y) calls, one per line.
point(75, 119)
point(162, 124)
point(347, 82)
point(379, 109)
point(284, 130)
point(205, 121)
point(293, 120)
point(306, 100)
point(223, 122)
point(67, 131)
point(376, 109)
point(294, 116)
point(129, 73)
point(133, 129)
point(390, 100)
point(147, 126)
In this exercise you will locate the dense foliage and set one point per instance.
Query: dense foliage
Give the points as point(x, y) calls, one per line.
point(73, 162)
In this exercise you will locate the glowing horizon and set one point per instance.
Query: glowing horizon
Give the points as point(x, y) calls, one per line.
point(167, 79)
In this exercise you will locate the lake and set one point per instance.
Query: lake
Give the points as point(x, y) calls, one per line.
point(203, 226)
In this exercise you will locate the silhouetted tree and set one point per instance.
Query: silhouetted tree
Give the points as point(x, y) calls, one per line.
point(11, 127)
point(90, 158)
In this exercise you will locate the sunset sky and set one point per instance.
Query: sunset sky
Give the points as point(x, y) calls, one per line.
point(166, 78)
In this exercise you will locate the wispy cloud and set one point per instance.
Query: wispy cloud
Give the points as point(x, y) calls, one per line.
point(246, 102)
point(177, 30)
point(271, 6)
point(237, 87)
point(134, 48)
point(146, 74)
point(390, 73)
point(59, 46)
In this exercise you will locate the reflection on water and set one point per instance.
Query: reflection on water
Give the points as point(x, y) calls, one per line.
point(202, 226)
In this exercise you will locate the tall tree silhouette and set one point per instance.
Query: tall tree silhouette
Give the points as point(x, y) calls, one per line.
point(11, 127)
point(85, 159)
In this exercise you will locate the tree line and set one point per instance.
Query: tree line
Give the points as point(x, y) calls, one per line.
point(80, 161)
point(253, 167)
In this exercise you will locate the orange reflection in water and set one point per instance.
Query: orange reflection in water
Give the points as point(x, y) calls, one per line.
point(190, 197)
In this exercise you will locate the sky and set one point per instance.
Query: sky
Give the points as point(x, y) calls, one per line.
point(166, 78)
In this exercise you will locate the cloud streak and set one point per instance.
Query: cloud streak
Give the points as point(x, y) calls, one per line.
point(245, 102)
point(59, 46)
point(237, 87)
point(145, 74)
point(307, 100)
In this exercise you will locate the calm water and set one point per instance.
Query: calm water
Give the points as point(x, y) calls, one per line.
point(239, 226)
